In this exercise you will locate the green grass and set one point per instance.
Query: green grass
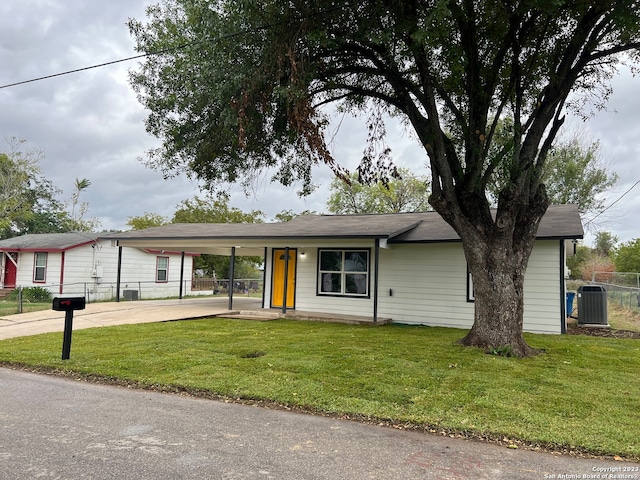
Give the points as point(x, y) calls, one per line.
point(10, 307)
point(583, 394)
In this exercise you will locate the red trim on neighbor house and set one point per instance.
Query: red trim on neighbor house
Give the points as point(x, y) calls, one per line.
point(167, 252)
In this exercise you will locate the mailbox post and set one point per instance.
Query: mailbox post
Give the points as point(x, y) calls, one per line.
point(68, 305)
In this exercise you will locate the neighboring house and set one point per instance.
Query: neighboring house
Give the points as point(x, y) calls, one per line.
point(82, 264)
point(409, 267)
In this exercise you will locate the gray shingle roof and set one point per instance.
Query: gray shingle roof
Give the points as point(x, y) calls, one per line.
point(48, 241)
point(560, 221)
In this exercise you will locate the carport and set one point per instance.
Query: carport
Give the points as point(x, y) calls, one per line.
point(286, 243)
point(236, 240)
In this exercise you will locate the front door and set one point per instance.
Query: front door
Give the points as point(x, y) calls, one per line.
point(10, 269)
point(277, 285)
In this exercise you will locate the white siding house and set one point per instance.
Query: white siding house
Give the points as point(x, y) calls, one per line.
point(81, 264)
point(409, 268)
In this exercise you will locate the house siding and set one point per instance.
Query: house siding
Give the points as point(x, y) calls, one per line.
point(426, 284)
point(306, 298)
point(430, 286)
point(138, 272)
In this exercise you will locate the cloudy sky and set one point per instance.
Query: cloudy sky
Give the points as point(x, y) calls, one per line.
point(90, 125)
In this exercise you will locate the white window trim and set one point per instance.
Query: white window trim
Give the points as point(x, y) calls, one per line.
point(36, 267)
point(158, 270)
point(343, 273)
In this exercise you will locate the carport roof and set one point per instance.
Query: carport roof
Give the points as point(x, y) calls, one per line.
point(560, 221)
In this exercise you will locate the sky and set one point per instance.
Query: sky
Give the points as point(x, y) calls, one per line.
point(90, 125)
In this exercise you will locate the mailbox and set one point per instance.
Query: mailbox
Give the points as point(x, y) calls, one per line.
point(65, 304)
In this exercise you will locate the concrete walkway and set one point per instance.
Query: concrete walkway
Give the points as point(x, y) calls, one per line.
point(106, 314)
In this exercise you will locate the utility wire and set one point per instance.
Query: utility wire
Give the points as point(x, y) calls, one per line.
point(612, 204)
point(74, 71)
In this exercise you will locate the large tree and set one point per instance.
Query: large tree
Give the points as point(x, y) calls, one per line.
point(237, 87)
point(27, 200)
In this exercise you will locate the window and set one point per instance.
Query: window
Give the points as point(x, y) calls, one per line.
point(40, 267)
point(470, 294)
point(343, 272)
point(162, 269)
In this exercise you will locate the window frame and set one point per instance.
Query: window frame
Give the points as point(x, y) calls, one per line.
point(42, 268)
point(470, 292)
point(343, 273)
point(165, 269)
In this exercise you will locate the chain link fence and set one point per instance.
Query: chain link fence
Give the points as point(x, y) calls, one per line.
point(28, 299)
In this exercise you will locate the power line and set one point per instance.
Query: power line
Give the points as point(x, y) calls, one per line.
point(613, 203)
point(46, 77)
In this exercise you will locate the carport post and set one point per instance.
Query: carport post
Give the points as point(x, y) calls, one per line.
point(231, 266)
point(119, 273)
point(181, 273)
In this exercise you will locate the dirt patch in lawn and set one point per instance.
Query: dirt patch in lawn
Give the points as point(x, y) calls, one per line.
point(574, 329)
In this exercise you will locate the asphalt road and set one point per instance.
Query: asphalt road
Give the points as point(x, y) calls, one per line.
point(54, 428)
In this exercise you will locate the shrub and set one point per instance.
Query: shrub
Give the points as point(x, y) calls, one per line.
point(32, 295)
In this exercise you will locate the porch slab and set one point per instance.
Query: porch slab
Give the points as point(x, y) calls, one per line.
point(266, 314)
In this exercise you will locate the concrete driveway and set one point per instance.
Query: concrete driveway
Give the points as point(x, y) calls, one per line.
point(112, 313)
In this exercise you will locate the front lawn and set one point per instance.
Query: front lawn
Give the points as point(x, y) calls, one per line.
point(582, 395)
point(10, 307)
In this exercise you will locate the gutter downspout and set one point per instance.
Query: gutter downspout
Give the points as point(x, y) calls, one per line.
point(286, 280)
point(231, 268)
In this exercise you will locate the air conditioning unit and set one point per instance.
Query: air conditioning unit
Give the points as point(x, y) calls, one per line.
point(130, 294)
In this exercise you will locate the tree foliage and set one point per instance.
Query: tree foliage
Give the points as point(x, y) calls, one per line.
point(237, 87)
point(627, 256)
point(578, 260)
point(286, 215)
point(211, 210)
point(575, 173)
point(27, 200)
point(605, 244)
point(406, 193)
point(148, 220)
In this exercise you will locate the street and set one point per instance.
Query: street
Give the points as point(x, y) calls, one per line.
point(54, 428)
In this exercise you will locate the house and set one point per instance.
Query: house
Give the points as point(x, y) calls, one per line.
point(82, 264)
point(407, 267)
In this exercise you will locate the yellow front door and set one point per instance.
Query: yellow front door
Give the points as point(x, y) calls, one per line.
point(277, 285)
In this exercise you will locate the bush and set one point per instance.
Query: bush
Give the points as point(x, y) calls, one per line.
point(32, 295)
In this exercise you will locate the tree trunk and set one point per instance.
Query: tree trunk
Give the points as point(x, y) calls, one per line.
point(497, 250)
point(498, 273)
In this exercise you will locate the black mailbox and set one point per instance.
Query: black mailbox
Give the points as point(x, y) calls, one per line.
point(66, 304)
